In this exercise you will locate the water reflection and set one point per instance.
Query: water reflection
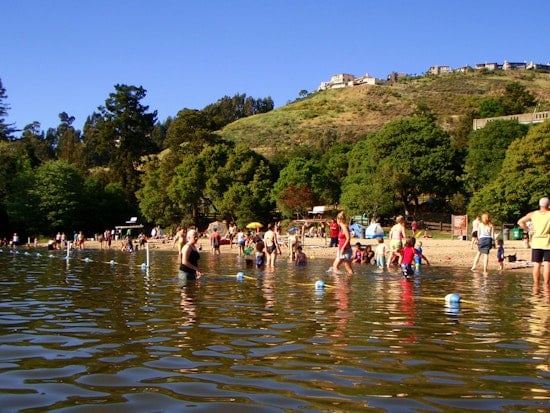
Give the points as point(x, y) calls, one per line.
point(84, 334)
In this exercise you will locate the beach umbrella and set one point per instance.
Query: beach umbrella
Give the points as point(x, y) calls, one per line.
point(254, 225)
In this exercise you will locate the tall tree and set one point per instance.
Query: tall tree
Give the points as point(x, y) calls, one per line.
point(413, 156)
point(522, 181)
point(124, 130)
point(190, 132)
point(35, 144)
point(68, 144)
point(6, 129)
point(486, 150)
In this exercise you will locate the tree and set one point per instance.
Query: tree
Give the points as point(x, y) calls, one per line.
point(517, 99)
point(186, 189)
point(49, 198)
point(229, 109)
point(412, 156)
point(486, 150)
point(296, 201)
point(302, 173)
point(6, 129)
point(522, 181)
point(190, 132)
point(124, 132)
point(35, 145)
point(68, 145)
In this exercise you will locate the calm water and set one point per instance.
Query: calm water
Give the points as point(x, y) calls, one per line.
point(91, 336)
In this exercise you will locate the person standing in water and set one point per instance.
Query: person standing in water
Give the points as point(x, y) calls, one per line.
point(189, 265)
point(345, 252)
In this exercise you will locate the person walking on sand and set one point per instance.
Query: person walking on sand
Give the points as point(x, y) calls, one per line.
point(485, 241)
point(345, 252)
point(540, 241)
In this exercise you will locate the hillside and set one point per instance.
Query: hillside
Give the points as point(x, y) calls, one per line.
point(348, 114)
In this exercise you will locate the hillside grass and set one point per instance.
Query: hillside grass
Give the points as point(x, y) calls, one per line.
point(349, 114)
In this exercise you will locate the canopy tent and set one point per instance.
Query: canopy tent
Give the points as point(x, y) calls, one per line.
point(374, 230)
point(220, 226)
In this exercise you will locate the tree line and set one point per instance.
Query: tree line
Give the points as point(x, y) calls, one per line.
point(180, 171)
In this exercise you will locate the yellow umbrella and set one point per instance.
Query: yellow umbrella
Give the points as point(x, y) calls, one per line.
point(254, 225)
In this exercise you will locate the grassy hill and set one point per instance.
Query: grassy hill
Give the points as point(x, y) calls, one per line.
point(346, 115)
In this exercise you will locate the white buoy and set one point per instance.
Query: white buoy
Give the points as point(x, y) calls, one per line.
point(112, 262)
point(452, 298)
point(143, 266)
point(319, 285)
point(240, 275)
point(86, 259)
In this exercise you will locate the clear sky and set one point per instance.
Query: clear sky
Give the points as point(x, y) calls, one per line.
point(67, 55)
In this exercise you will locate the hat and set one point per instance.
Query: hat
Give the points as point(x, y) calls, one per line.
point(543, 202)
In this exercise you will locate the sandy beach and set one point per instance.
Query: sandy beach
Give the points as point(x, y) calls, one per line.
point(439, 251)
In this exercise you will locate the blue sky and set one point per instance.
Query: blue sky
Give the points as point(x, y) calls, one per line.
point(67, 55)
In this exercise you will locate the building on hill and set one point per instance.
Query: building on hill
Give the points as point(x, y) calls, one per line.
point(524, 118)
point(439, 70)
point(342, 80)
point(346, 80)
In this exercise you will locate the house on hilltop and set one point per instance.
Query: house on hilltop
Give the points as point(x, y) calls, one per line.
point(346, 80)
point(438, 70)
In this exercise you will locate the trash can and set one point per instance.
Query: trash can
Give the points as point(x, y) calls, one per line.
point(517, 233)
point(505, 234)
point(362, 231)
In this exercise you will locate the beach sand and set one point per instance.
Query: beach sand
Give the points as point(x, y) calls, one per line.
point(439, 251)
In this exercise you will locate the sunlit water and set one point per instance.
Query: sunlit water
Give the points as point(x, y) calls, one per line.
point(100, 333)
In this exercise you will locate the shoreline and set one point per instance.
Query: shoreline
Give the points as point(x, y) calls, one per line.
point(438, 251)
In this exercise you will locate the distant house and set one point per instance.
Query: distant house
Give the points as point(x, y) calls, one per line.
point(338, 81)
point(366, 80)
point(514, 66)
point(438, 70)
point(487, 66)
point(538, 66)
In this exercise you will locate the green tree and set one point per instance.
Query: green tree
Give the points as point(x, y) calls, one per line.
point(6, 129)
point(186, 188)
point(68, 145)
point(486, 151)
point(307, 175)
point(155, 203)
point(190, 132)
point(48, 199)
point(229, 109)
point(35, 145)
point(412, 156)
point(517, 99)
point(124, 131)
point(522, 181)
point(491, 107)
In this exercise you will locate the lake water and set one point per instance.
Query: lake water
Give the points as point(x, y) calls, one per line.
point(100, 333)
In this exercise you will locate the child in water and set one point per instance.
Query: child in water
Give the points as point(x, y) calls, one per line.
point(408, 253)
point(500, 254)
point(301, 257)
point(260, 254)
point(380, 253)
